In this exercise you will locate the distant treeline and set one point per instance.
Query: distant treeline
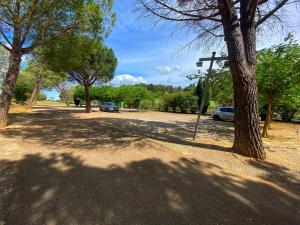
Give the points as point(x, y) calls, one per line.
point(147, 96)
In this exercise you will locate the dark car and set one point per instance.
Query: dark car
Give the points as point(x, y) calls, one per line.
point(109, 107)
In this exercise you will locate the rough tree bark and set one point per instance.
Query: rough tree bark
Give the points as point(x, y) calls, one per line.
point(88, 106)
point(240, 37)
point(268, 116)
point(9, 85)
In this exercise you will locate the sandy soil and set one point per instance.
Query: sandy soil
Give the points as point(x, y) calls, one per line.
point(62, 166)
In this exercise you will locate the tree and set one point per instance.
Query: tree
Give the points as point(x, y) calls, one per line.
point(289, 103)
point(24, 87)
point(236, 22)
point(65, 92)
point(42, 78)
point(199, 92)
point(25, 25)
point(4, 61)
point(278, 71)
point(85, 60)
point(221, 89)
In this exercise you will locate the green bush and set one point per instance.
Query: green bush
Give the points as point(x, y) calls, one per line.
point(78, 94)
point(77, 101)
point(41, 96)
point(193, 106)
point(287, 113)
point(24, 87)
point(199, 93)
point(158, 104)
point(146, 104)
point(183, 101)
point(165, 102)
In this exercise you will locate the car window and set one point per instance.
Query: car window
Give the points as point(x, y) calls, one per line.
point(223, 110)
point(231, 110)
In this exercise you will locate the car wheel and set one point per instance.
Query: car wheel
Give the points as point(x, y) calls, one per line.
point(216, 117)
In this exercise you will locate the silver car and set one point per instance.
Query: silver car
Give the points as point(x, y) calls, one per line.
point(224, 113)
point(109, 107)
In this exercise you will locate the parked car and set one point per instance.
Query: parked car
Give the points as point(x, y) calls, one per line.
point(109, 107)
point(224, 113)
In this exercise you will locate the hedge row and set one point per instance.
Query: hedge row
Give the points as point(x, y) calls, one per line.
point(184, 101)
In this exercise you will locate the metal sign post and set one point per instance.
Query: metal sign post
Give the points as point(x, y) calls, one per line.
point(212, 59)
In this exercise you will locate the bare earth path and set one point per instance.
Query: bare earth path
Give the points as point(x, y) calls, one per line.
point(61, 166)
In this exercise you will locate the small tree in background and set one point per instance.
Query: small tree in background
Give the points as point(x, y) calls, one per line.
point(25, 25)
point(199, 92)
point(24, 87)
point(288, 104)
point(278, 71)
point(42, 78)
point(86, 61)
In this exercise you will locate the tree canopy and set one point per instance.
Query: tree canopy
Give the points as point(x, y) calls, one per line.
point(29, 24)
point(85, 60)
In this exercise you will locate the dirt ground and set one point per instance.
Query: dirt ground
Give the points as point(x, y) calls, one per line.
point(61, 166)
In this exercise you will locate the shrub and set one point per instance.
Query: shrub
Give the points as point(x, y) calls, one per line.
point(158, 105)
point(287, 113)
point(183, 101)
point(77, 101)
point(146, 104)
point(79, 94)
point(193, 105)
point(24, 87)
point(199, 93)
point(41, 96)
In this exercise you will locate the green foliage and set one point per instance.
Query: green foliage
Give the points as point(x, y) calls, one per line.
point(199, 93)
point(221, 87)
point(289, 103)
point(184, 100)
point(146, 104)
point(78, 94)
point(41, 96)
point(24, 87)
point(278, 68)
point(83, 58)
point(278, 77)
point(42, 22)
point(104, 94)
point(44, 77)
point(193, 104)
point(132, 95)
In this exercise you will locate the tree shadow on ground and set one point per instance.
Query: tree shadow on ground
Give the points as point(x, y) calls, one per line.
point(60, 128)
point(62, 189)
point(277, 174)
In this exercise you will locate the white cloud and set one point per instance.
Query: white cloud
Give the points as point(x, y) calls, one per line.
point(168, 69)
point(127, 79)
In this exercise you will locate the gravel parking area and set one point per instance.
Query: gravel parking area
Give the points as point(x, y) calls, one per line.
point(62, 166)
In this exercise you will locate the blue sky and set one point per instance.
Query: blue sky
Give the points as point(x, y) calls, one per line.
point(148, 53)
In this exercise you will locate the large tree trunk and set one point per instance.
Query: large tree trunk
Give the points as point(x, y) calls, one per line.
point(88, 106)
point(241, 53)
point(268, 116)
point(9, 85)
point(34, 94)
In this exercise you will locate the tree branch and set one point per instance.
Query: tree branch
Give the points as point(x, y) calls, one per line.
point(271, 12)
point(4, 46)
